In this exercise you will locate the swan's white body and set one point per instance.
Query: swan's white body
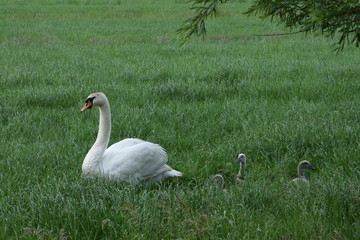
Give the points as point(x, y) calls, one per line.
point(131, 159)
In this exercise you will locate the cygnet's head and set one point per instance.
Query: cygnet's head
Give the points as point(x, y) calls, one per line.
point(241, 158)
point(305, 165)
point(218, 179)
point(94, 99)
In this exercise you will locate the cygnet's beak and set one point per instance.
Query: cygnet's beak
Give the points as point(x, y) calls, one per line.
point(238, 160)
point(312, 168)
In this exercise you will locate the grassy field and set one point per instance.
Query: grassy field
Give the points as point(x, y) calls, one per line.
point(277, 99)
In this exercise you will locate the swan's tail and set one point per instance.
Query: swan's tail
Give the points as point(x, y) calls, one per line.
point(169, 173)
point(174, 173)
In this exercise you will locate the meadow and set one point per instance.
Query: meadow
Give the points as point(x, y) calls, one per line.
point(279, 100)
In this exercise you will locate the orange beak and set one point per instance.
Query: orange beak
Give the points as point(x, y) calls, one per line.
point(87, 105)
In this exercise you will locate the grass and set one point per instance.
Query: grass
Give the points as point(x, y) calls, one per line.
point(277, 99)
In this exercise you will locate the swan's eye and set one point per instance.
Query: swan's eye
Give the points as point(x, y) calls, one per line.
point(90, 99)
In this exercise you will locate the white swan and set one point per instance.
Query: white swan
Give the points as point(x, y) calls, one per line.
point(242, 160)
point(131, 159)
point(300, 169)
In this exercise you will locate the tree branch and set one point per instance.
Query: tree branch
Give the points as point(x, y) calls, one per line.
point(196, 25)
point(327, 17)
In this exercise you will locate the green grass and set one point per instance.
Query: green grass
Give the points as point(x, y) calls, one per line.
point(277, 99)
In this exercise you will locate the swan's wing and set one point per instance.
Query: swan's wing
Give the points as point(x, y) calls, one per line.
point(128, 142)
point(137, 161)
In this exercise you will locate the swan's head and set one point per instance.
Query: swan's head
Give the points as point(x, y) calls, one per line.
point(241, 158)
point(94, 99)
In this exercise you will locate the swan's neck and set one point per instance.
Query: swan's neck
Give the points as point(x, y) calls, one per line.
point(93, 161)
point(103, 136)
